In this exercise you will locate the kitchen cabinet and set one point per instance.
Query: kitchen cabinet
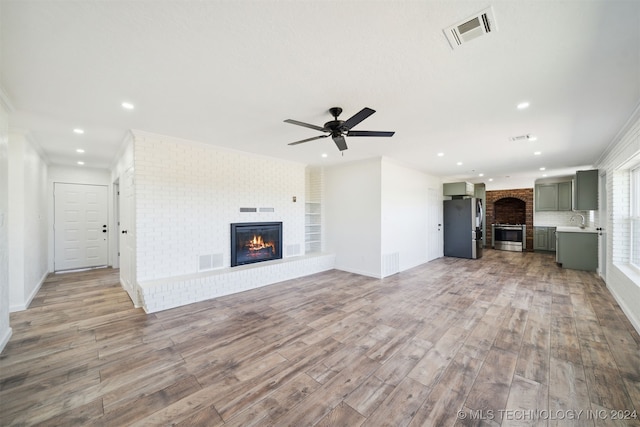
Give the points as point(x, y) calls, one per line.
point(544, 239)
point(577, 249)
point(458, 189)
point(554, 196)
point(565, 198)
point(586, 191)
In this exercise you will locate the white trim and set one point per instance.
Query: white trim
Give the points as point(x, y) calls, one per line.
point(22, 307)
point(635, 278)
point(5, 338)
point(633, 117)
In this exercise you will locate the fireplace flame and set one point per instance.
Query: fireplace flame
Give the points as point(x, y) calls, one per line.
point(258, 244)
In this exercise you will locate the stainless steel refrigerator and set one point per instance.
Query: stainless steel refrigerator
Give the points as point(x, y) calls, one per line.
point(463, 228)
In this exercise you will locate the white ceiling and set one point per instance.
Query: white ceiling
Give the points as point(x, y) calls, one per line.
point(229, 72)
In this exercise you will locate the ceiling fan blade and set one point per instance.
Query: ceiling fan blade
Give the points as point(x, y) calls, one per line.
point(358, 117)
point(307, 125)
point(340, 142)
point(369, 133)
point(308, 139)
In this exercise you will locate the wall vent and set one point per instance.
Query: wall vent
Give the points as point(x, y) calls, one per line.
point(292, 250)
point(390, 264)
point(527, 137)
point(471, 28)
point(266, 209)
point(209, 262)
point(248, 209)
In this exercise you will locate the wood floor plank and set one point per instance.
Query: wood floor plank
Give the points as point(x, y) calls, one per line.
point(527, 404)
point(399, 408)
point(448, 396)
point(505, 332)
point(491, 388)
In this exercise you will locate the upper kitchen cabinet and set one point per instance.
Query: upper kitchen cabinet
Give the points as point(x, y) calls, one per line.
point(458, 189)
point(586, 191)
point(553, 196)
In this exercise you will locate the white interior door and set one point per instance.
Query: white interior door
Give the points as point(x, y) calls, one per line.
point(80, 226)
point(127, 235)
point(434, 224)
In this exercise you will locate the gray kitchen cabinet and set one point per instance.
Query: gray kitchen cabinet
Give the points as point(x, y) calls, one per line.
point(458, 189)
point(551, 231)
point(565, 195)
point(554, 196)
point(586, 192)
point(544, 239)
point(546, 197)
point(577, 251)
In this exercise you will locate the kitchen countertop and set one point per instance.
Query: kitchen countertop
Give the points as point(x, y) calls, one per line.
point(574, 229)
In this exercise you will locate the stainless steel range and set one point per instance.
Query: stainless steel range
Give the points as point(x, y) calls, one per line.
point(509, 237)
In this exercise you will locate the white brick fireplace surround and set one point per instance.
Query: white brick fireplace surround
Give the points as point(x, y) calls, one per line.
point(157, 295)
point(186, 196)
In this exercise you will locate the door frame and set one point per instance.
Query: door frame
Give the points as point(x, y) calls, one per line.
point(603, 224)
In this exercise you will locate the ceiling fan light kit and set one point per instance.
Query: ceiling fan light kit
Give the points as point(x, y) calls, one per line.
point(338, 129)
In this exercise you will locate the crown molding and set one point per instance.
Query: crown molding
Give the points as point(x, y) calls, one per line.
point(633, 118)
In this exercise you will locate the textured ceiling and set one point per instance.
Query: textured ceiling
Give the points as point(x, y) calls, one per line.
point(229, 72)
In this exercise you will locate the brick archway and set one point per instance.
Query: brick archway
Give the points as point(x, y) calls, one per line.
point(523, 194)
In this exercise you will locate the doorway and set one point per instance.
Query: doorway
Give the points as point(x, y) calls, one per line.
point(81, 234)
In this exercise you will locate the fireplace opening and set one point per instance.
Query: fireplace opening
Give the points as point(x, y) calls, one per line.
point(255, 242)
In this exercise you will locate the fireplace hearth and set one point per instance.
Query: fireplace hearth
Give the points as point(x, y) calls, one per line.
point(253, 242)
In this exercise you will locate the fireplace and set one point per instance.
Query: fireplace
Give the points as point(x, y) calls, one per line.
point(255, 242)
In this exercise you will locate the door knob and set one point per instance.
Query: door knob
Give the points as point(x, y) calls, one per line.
point(124, 231)
point(104, 230)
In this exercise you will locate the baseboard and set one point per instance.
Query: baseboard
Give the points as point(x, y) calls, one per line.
point(626, 310)
point(25, 305)
point(5, 338)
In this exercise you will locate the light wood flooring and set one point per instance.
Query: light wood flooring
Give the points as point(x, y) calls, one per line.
point(510, 339)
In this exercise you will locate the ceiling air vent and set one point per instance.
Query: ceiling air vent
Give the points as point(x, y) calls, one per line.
point(527, 137)
point(471, 28)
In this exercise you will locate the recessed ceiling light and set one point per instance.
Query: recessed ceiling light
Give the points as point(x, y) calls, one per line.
point(440, 154)
point(543, 168)
point(127, 105)
point(490, 179)
point(80, 163)
point(459, 163)
point(324, 155)
point(78, 131)
point(532, 137)
point(480, 174)
point(79, 150)
point(523, 105)
point(544, 175)
point(537, 153)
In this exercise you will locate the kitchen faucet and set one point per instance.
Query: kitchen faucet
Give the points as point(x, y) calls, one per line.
point(573, 217)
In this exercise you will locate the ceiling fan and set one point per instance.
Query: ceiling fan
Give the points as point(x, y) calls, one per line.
point(338, 129)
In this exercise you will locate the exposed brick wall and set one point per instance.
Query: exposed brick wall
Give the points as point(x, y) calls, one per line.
point(510, 211)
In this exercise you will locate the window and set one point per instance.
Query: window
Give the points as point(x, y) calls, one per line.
point(635, 217)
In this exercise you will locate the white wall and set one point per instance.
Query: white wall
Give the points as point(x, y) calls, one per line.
point(377, 216)
point(74, 175)
point(5, 329)
point(187, 194)
point(405, 213)
point(353, 216)
point(27, 219)
point(623, 282)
